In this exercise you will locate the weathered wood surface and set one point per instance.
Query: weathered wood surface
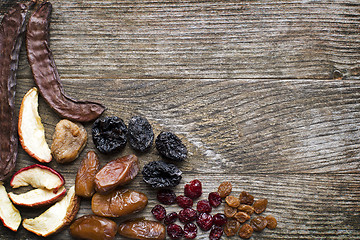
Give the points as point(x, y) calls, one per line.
point(264, 94)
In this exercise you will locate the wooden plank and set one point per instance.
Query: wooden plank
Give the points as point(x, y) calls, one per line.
point(206, 39)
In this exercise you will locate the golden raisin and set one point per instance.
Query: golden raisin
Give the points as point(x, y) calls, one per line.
point(231, 227)
point(258, 223)
point(232, 201)
point(271, 222)
point(242, 217)
point(229, 211)
point(260, 205)
point(246, 231)
point(224, 189)
point(246, 198)
point(246, 208)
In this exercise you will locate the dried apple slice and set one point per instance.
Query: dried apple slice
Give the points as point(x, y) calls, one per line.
point(37, 197)
point(56, 217)
point(38, 176)
point(31, 130)
point(9, 215)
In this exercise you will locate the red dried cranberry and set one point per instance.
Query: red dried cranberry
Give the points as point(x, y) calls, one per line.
point(203, 206)
point(170, 218)
point(193, 190)
point(166, 196)
point(159, 212)
point(205, 221)
point(190, 231)
point(214, 199)
point(184, 202)
point(219, 219)
point(174, 231)
point(187, 215)
point(216, 233)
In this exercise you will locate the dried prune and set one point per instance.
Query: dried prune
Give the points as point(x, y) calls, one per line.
point(246, 231)
point(170, 146)
point(258, 223)
point(140, 134)
point(224, 189)
point(160, 174)
point(109, 134)
point(142, 229)
point(271, 222)
point(231, 227)
point(260, 205)
point(93, 228)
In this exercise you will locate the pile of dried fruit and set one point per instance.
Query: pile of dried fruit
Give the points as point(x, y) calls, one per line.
point(237, 211)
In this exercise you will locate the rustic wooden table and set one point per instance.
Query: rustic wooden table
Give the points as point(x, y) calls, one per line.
point(265, 94)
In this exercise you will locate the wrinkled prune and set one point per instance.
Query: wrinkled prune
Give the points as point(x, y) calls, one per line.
point(140, 134)
point(109, 134)
point(170, 146)
point(160, 174)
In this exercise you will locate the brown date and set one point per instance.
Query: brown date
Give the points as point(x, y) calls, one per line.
point(118, 203)
point(85, 177)
point(142, 229)
point(116, 173)
point(93, 228)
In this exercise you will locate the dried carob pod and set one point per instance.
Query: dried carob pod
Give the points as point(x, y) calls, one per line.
point(45, 72)
point(11, 34)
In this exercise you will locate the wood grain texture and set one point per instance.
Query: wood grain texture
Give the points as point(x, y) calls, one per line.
point(264, 94)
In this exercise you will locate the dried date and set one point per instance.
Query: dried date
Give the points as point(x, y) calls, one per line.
point(140, 134)
point(118, 203)
point(170, 146)
point(109, 134)
point(142, 229)
point(69, 139)
point(117, 173)
point(93, 228)
point(85, 177)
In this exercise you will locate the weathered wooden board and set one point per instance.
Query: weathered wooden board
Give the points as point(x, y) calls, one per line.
point(265, 94)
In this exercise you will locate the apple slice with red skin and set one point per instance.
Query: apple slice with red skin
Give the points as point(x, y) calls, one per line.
point(9, 215)
point(55, 218)
point(38, 176)
point(37, 197)
point(31, 130)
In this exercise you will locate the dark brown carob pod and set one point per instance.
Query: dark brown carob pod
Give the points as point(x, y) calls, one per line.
point(11, 34)
point(45, 72)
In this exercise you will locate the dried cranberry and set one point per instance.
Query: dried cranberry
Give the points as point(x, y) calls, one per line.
point(170, 218)
point(166, 196)
point(219, 219)
point(214, 199)
point(174, 231)
point(205, 221)
point(190, 231)
point(203, 206)
point(159, 212)
point(184, 202)
point(216, 233)
point(193, 189)
point(187, 215)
